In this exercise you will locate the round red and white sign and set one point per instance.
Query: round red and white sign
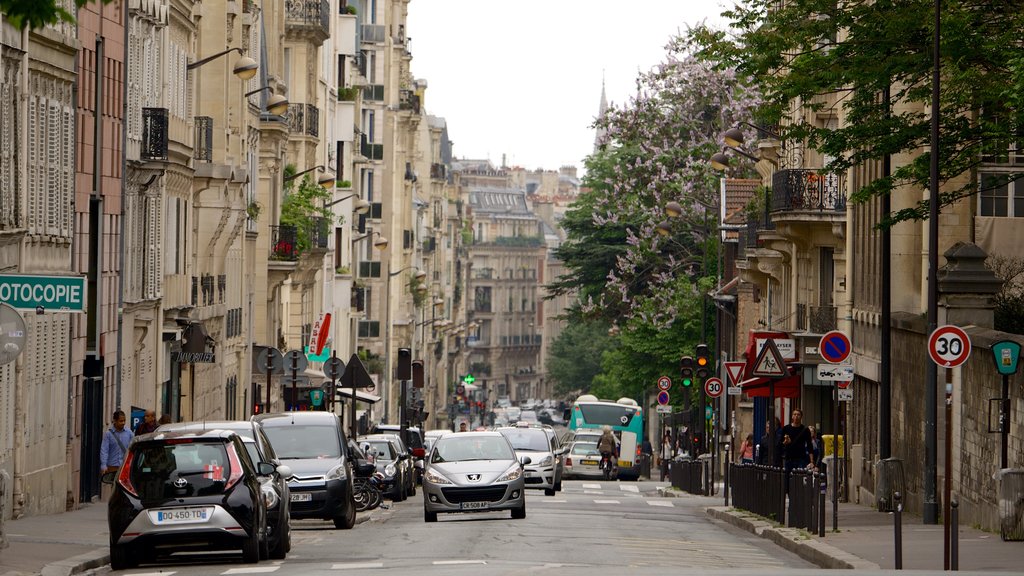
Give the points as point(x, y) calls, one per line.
point(664, 383)
point(713, 387)
point(949, 346)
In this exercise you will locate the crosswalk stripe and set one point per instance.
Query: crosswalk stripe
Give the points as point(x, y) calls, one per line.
point(251, 570)
point(629, 488)
point(357, 565)
point(592, 486)
point(598, 492)
point(457, 562)
point(606, 502)
point(553, 500)
point(153, 574)
point(664, 503)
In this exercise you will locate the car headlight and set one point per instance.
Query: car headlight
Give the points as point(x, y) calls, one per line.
point(514, 473)
point(435, 478)
point(546, 461)
point(337, 473)
point(390, 470)
point(270, 497)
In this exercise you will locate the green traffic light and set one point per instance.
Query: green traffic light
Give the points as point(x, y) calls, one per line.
point(687, 382)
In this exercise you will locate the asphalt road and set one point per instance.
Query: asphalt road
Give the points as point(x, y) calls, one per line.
point(590, 527)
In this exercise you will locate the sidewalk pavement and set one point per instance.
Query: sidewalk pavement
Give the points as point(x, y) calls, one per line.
point(865, 539)
point(66, 543)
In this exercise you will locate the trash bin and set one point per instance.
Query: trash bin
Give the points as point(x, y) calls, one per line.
point(830, 479)
point(1011, 503)
point(827, 443)
point(888, 481)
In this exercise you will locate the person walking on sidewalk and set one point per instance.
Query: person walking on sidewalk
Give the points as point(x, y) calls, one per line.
point(747, 450)
point(115, 443)
point(148, 423)
point(666, 454)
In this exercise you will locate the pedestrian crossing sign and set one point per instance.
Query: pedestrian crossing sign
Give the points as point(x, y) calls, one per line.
point(769, 363)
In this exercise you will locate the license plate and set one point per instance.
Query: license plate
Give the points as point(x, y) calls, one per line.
point(181, 515)
point(591, 462)
point(301, 497)
point(474, 505)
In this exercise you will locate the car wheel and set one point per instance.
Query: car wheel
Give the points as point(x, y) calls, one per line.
point(348, 521)
point(284, 542)
point(121, 558)
point(429, 516)
point(519, 513)
point(251, 548)
point(549, 491)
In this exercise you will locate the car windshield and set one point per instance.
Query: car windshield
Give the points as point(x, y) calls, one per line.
point(381, 449)
point(202, 468)
point(299, 441)
point(527, 439)
point(460, 448)
point(584, 448)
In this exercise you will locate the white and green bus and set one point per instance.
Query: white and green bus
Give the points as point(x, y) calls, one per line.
point(625, 417)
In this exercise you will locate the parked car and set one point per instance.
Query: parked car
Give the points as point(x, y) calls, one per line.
point(413, 441)
point(542, 448)
point(313, 445)
point(473, 472)
point(186, 491)
point(431, 436)
point(275, 484)
point(394, 462)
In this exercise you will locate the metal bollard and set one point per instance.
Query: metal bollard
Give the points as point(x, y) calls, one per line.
point(821, 507)
point(728, 465)
point(897, 519)
point(954, 537)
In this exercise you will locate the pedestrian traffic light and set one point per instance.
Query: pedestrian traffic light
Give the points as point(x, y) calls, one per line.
point(417, 373)
point(686, 370)
point(703, 361)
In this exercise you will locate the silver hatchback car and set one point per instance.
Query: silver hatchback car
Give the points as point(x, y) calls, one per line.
point(473, 472)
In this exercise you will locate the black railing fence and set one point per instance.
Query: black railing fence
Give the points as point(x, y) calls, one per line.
point(759, 489)
point(805, 500)
point(689, 475)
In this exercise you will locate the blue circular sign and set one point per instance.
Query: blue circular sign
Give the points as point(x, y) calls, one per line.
point(663, 398)
point(834, 346)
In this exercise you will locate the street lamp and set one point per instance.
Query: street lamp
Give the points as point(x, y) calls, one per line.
point(276, 104)
point(381, 243)
point(245, 68)
point(324, 181)
point(360, 206)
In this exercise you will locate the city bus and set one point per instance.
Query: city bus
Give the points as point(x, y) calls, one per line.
point(627, 421)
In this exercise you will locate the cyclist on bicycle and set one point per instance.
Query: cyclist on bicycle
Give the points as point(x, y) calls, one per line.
point(608, 447)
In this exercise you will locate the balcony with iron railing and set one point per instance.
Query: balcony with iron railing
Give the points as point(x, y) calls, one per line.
point(409, 100)
point(284, 243)
point(439, 171)
point(202, 149)
point(154, 134)
point(304, 119)
point(808, 192)
point(816, 319)
point(308, 17)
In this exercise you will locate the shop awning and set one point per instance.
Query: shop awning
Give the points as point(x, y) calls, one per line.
point(786, 387)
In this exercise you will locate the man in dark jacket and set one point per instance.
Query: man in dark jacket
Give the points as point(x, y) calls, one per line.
point(794, 442)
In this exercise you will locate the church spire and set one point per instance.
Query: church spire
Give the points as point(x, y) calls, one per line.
point(601, 110)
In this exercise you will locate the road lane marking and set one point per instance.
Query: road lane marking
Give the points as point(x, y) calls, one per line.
point(457, 562)
point(629, 488)
point(606, 502)
point(357, 565)
point(598, 492)
point(152, 574)
point(665, 503)
point(592, 486)
point(253, 570)
point(556, 501)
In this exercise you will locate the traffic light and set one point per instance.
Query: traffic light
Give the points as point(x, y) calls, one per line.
point(417, 373)
point(686, 370)
point(703, 361)
point(404, 371)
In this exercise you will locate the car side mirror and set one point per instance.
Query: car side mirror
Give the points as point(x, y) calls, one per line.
point(265, 468)
point(562, 450)
point(284, 471)
point(108, 477)
point(525, 460)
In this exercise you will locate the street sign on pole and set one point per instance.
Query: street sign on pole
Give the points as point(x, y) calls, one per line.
point(1006, 354)
point(844, 394)
point(949, 346)
point(664, 383)
point(834, 346)
point(663, 409)
point(835, 372)
point(734, 372)
point(663, 398)
point(35, 292)
point(769, 363)
point(713, 387)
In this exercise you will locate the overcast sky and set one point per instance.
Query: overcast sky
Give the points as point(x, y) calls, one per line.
point(524, 78)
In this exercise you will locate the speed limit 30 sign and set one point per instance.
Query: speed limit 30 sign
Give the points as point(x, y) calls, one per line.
point(949, 346)
point(713, 387)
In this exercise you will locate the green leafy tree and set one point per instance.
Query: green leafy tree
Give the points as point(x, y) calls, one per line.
point(575, 356)
point(818, 52)
point(302, 206)
point(34, 14)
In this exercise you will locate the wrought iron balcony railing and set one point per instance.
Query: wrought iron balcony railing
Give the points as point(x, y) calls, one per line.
point(154, 134)
point(822, 319)
point(408, 100)
point(319, 230)
point(284, 243)
point(304, 119)
point(308, 16)
point(202, 150)
point(808, 190)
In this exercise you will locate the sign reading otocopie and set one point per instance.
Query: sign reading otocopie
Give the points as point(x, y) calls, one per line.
point(54, 293)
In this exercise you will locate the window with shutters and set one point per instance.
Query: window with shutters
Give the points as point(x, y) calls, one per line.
point(153, 247)
point(10, 143)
